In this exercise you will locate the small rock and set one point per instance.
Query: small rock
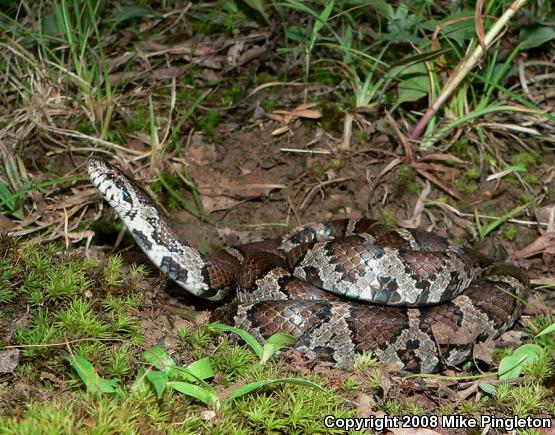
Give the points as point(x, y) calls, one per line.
point(9, 360)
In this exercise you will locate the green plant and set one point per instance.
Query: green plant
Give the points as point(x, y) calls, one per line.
point(80, 320)
point(484, 231)
point(271, 346)
point(90, 377)
point(113, 272)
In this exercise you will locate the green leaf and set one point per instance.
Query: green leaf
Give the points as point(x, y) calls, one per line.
point(534, 36)
point(461, 27)
point(518, 167)
point(89, 376)
point(130, 12)
point(416, 86)
point(487, 388)
point(499, 221)
point(7, 198)
point(275, 343)
point(324, 16)
point(248, 338)
point(261, 384)
point(204, 394)
point(259, 6)
point(139, 381)
point(159, 380)
point(201, 369)
point(550, 329)
point(160, 359)
point(512, 365)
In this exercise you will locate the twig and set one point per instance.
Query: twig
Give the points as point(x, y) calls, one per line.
point(467, 64)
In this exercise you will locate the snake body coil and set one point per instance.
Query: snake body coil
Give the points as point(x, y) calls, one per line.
point(418, 302)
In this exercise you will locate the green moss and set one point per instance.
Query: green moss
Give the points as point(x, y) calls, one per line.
point(464, 149)
point(233, 362)
point(388, 218)
point(472, 407)
point(230, 94)
point(40, 331)
point(473, 173)
point(527, 399)
point(407, 173)
point(414, 187)
point(525, 159)
point(209, 123)
point(80, 321)
point(332, 119)
point(269, 105)
point(140, 120)
point(532, 180)
point(49, 418)
point(392, 407)
point(113, 271)
point(510, 233)
point(466, 185)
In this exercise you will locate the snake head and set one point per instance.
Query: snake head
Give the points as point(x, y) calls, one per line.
point(116, 188)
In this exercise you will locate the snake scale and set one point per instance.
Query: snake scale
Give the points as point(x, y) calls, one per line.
point(342, 287)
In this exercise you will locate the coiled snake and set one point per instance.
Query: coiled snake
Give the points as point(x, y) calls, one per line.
point(414, 299)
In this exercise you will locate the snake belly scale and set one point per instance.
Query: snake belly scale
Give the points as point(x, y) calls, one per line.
point(341, 287)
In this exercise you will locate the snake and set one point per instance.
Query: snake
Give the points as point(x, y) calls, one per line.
point(412, 299)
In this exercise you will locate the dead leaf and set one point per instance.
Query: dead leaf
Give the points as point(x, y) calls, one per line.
point(286, 117)
point(190, 47)
point(220, 192)
point(542, 245)
point(200, 152)
point(446, 187)
point(482, 351)
point(480, 33)
point(51, 377)
point(415, 220)
point(365, 404)
point(447, 335)
point(409, 153)
point(6, 223)
point(546, 215)
point(168, 73)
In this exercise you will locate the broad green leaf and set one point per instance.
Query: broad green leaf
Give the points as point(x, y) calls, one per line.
point(461, 27)
point(159, 358)
point(90, 377)
point(534, 36)
point(130, 12)
point(159, 380)
point(519, 167)
point(550, 329)
point(139, 381)
point(249, 339)
point(324, 16)
point(49, 26)
point(487, 388)
point(512, 365)
point(201, 369)
point(259, 6)
point(7, 198)
point(499, 221)
point(275, 343)
point(415, 86)
point(205, 395)
point(261, 384)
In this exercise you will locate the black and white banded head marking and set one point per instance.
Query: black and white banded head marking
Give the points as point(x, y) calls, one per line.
point(124, 195)
point(149, 226)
